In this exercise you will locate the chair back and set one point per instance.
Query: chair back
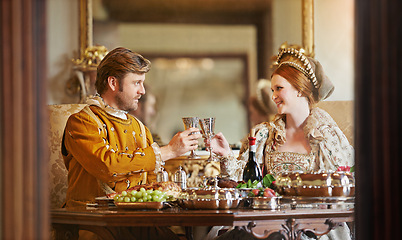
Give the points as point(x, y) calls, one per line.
point(58, 115)
point(343, 114)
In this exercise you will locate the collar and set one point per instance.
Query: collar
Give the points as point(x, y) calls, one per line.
point(97, 100)
point(277, 132)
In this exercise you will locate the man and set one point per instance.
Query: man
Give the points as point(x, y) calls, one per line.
point(105, 149)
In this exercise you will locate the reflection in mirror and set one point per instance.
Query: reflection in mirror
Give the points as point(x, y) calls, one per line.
point(201, 87)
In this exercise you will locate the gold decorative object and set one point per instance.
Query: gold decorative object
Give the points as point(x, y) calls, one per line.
point(308, 27)
point(93, 55)
point(85, 71)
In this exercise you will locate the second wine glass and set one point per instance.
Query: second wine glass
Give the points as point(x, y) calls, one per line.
point(207, 129)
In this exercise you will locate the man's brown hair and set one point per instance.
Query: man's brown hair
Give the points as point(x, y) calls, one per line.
point(118, 63)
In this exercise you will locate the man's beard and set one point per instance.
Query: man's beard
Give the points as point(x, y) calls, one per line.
point(125, 104)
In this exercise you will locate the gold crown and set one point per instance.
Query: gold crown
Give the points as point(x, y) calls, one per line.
point(297, 59)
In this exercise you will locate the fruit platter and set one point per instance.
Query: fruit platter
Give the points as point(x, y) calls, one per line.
point(154, 196)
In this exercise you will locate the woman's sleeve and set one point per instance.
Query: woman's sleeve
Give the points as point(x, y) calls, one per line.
point(334, 148)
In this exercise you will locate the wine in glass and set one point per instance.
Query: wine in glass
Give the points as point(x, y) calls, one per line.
point(188, 123)
point(207, 129)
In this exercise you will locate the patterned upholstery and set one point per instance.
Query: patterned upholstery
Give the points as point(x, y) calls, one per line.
point(58, 115)
point(343, 114)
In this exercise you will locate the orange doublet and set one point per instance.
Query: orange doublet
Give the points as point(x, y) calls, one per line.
point(104, 150)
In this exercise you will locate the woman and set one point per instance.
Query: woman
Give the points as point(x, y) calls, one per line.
point(301, 136)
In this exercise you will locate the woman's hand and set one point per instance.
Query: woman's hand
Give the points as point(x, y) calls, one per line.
point(219, 145)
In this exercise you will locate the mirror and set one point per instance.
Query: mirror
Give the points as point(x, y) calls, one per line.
point(234, 36)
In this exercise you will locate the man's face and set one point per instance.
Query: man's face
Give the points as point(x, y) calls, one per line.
point(130, 90)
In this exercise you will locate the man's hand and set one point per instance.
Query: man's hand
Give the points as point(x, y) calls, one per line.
point(181, 143)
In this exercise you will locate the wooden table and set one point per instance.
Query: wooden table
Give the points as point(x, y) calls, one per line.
point(110, 223)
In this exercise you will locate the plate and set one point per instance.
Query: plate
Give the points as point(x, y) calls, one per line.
point(104, 199)
point(141, 205)
point(102, 202)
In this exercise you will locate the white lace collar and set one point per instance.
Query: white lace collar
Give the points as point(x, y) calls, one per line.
point(98, 101)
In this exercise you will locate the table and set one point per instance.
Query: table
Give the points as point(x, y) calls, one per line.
point(111, 223)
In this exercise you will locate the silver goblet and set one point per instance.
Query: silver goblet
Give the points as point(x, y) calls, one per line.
point(207, 130)
point(188, 123)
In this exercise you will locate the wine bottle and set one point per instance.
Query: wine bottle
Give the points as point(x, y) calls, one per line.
point(252, 170)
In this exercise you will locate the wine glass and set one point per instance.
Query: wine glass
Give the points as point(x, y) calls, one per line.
point(207, 129)
point(188, 123)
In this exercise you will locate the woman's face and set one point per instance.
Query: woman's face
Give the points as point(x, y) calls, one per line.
point(284, 95)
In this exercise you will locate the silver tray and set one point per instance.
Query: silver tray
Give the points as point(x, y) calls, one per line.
point(270, 203)
point(209, 203)
point(297, 200)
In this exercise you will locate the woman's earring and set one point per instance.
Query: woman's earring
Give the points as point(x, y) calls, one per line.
point(299, 94)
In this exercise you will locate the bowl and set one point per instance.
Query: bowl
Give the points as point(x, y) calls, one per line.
point(269, 203)
point(209, 198)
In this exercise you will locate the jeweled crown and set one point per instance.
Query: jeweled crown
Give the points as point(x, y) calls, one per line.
point(297, 59)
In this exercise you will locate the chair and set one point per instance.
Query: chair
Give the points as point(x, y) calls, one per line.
point(343, 114)
point(58, 115)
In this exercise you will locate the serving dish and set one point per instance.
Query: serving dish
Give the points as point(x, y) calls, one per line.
point(209, 198)
point(270, 203)
point(320, 184)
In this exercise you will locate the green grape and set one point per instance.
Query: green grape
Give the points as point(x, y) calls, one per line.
point(156, 198)
point(140, 200)
point(138, 195)
point(158, 192)
point(133, 199)
point(150, 191)
point(127, 199)
point(116, 197)
point(145, 198)
point(124, 193)
point(142, 190)
point(133, 192)
point(149, 197)
point(121, 199)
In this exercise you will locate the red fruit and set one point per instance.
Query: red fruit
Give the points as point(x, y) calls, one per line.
point(255, 192)
point(268, 192)
point(344, 168)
